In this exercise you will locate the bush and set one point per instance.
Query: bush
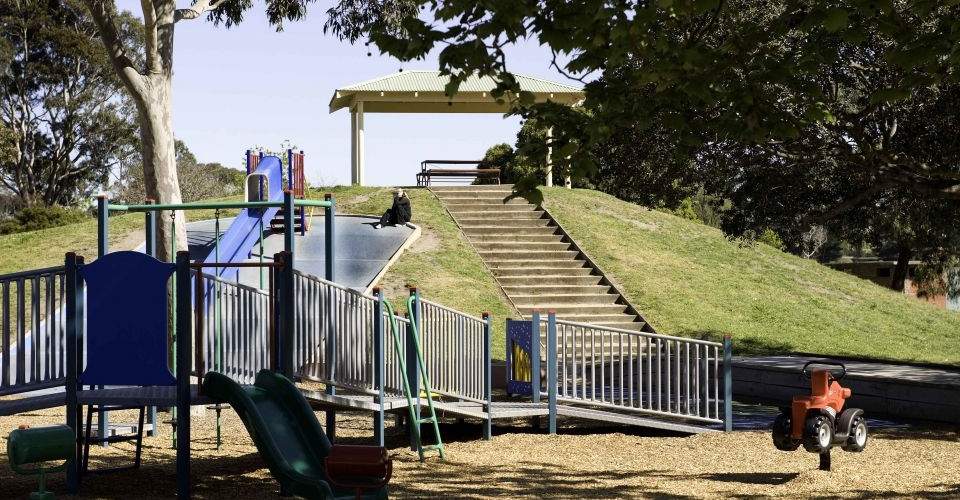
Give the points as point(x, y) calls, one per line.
point(41, 217)
point(771, 238)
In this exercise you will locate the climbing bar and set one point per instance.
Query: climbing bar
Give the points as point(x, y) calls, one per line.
point(211, 206)
point(199, 265)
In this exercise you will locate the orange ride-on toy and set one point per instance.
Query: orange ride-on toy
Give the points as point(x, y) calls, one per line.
point(819, 421)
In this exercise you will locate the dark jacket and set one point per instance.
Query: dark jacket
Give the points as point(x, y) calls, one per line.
point(401, 212)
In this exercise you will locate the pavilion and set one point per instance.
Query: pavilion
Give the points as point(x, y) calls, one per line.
point(423, 92)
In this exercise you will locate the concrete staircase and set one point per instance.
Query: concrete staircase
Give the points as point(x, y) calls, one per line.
point(536, 264)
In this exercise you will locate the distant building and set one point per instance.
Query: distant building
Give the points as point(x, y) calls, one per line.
point(881, 273)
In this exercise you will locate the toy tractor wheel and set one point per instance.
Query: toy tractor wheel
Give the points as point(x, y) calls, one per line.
point(857, 440)
point(818, 433)
point(781, 433)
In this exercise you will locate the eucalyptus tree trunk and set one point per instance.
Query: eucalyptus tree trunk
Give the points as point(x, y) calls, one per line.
point(159, 160)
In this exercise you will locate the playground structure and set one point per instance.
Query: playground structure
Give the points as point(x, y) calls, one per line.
point(309, 328)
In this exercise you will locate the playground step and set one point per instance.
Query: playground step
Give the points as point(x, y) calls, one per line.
point(502, 223)
point(539, 269)
point(555, 299)
point(498, 214)
point(494, 255)
point(547, 289)
point(549, 280)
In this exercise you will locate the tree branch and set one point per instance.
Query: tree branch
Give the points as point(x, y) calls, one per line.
point(196, 10)
point(106, 24)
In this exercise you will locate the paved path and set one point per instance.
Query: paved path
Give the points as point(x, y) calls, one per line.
point(888, 389)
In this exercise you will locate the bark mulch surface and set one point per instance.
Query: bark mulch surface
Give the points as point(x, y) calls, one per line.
point(579, 462)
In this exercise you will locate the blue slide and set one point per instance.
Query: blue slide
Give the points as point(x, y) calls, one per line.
point(237, 243)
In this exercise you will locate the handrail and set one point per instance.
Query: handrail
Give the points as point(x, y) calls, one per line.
point(634, 332)
point(211, 206)
point(31, 273)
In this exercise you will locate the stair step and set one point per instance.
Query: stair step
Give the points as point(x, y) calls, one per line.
point(545, 288)
point(489, 206)
point(504, 225)
point(505, 245)
point(495, 255)
point(516, 238)
point(518, 269)
point(498, 214)
point(592, 318)
point(549, 280)
point(576, 310)
point(550, 300)
point(535, 263)
point(473, 187)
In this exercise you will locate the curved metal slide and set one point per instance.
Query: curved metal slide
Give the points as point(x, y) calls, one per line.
point(285, 431)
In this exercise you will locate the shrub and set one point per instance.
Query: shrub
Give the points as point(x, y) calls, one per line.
point(41, 217)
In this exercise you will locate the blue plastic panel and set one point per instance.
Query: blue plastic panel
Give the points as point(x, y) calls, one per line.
point(520, 335)
point(126, 336)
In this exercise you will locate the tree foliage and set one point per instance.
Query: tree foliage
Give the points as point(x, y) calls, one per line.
point(64, 127)
point(200, 180)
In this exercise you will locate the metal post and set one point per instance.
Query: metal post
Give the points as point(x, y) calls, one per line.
point(535, 357)
point(247, 166)
point(183, 374)
point(412, 362)
point(487, 375)
point(727, 383)
point(331, 336)
point(288, 222)
point(103, 225)
point(330, 241)
point(150, 248)
point(290, 169)
point(74, 312)
point(287, 313)
point(380, 367)
point(552, 371)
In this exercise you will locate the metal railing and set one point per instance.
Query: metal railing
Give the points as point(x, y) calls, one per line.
point(456, 351)
point(32, 330)
point(329, 315)
point(235, 338)
point(635, 371)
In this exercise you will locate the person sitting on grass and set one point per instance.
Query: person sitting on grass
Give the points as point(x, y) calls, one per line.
point(399, 213)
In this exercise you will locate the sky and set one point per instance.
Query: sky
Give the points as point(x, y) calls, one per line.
point(251, 86)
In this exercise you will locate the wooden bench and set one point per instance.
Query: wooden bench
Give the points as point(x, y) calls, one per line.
point(429, 170)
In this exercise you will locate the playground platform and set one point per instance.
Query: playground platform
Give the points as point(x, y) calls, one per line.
point(881, 389)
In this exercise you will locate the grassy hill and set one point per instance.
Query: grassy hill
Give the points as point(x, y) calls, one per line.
point(688, 279)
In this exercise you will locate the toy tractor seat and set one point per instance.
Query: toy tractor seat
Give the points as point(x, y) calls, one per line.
point(819, 420)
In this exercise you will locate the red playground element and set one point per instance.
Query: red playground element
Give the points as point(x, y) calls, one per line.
point(358, 468)
point(819, 421)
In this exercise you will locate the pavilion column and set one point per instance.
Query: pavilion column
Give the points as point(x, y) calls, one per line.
point(549, 182)
point(353, 147)
point(356, 144)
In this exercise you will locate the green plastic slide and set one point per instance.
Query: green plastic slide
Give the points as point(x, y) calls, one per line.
point(284, 430)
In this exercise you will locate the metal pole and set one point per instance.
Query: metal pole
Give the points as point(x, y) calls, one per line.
point(290, 169)
point(183, 374)
point(727, 383)
point(287, 311)
point(173, 315)
point(330, 241)
point(552, 371)
point(103, 225)
point(379, 367)
point(288, 222)
point(487, 375)
point(150, 248)
point(73, 312)
point(412, 362)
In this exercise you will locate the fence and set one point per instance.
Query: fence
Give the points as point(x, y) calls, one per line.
point(32, 330)
point(456, 350)
point(235, 329)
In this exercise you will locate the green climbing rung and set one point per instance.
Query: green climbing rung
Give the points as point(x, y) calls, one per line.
point(415, 419)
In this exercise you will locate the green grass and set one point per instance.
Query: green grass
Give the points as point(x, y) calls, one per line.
point(688, 279)
point(441, 264)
